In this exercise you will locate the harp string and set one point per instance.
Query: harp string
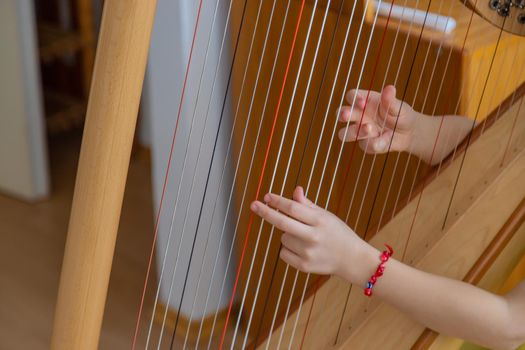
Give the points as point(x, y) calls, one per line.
point(250, 221)
point(211, 163)
point(398, 155)
point(366, 231)
point(173, 141)
point(509, 77)
point(222, 176)
point(469, 137)
point(322, 134)
point(457, 142)
point(413, 102)
point(301, 161)
point(178, 191)
point(419, 160)
point(456, 111)
point(338, 159)
point(357, 134)
point(327, 8)
point(383, 84)
point(157, 220)
point(498, 113)
point(378, 187)
point(384, 123)
point(356, 182)
point(250, 167)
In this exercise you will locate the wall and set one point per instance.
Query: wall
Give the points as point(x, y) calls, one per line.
point(23, 150)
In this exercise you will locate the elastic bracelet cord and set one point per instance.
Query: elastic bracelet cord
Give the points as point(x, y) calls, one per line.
point(385, 255)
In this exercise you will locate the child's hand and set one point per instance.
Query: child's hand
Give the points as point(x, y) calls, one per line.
point(314, 240)
point(379, 121)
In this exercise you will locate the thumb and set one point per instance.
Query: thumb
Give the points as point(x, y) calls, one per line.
point(389, 106)
point(298, 196)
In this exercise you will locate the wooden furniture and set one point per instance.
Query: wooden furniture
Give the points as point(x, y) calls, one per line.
point(456, 219)
point(65, 110)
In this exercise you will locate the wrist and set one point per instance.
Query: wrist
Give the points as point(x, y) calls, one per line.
point(419, 136)
point(361, 265)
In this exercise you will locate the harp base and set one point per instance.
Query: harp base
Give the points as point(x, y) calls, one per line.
point(185, 326)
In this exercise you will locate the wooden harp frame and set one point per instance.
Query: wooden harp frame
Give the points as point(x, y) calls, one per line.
point(494, 176)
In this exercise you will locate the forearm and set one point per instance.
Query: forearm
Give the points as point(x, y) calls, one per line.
point(436, 137)
point(445, 305)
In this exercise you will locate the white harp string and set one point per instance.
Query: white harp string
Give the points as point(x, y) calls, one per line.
point(250, 168)
point(422, 109)
point(216, 200)
point(327, 8)
point(291, 153)
point(178, 192)
point(199, 278)
point(341, 101)
point(356, 182)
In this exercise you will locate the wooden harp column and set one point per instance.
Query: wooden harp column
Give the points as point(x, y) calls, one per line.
point(104, 159)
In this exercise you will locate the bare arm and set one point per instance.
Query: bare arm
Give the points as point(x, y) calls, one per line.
point(435, 138)
point(385, 123)
point(449, 306)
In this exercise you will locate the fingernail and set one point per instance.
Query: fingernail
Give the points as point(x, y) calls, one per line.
point(341, 134)
point(380, 145)
point(253, 207)
point(267, 198)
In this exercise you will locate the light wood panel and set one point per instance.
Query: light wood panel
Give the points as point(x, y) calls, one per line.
point(476, 56)
point(431, 85)
point(367, 324)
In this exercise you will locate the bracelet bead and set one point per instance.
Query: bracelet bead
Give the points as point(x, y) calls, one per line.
point(385, 255)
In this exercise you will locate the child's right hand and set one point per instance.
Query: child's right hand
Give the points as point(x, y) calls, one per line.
point(378, 126)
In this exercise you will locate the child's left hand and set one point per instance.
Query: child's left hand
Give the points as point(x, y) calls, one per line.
point(314, 240)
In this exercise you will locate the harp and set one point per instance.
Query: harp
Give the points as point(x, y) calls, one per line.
point(462, 218)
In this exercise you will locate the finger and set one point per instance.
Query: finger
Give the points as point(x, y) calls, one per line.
point(291, 258)
point(347, 114)
point(366, 131)
point(295, 209)
point(298, 195)
point(279, 220)
point(358, 98)
point(293, 243)
point(390, 106)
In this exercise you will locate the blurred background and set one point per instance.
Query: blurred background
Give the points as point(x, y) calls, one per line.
point(47, 50)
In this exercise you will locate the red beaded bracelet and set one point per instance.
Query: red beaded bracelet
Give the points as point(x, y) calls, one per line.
point(379, 271)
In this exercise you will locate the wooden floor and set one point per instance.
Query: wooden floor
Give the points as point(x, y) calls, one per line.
point(32, 238)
